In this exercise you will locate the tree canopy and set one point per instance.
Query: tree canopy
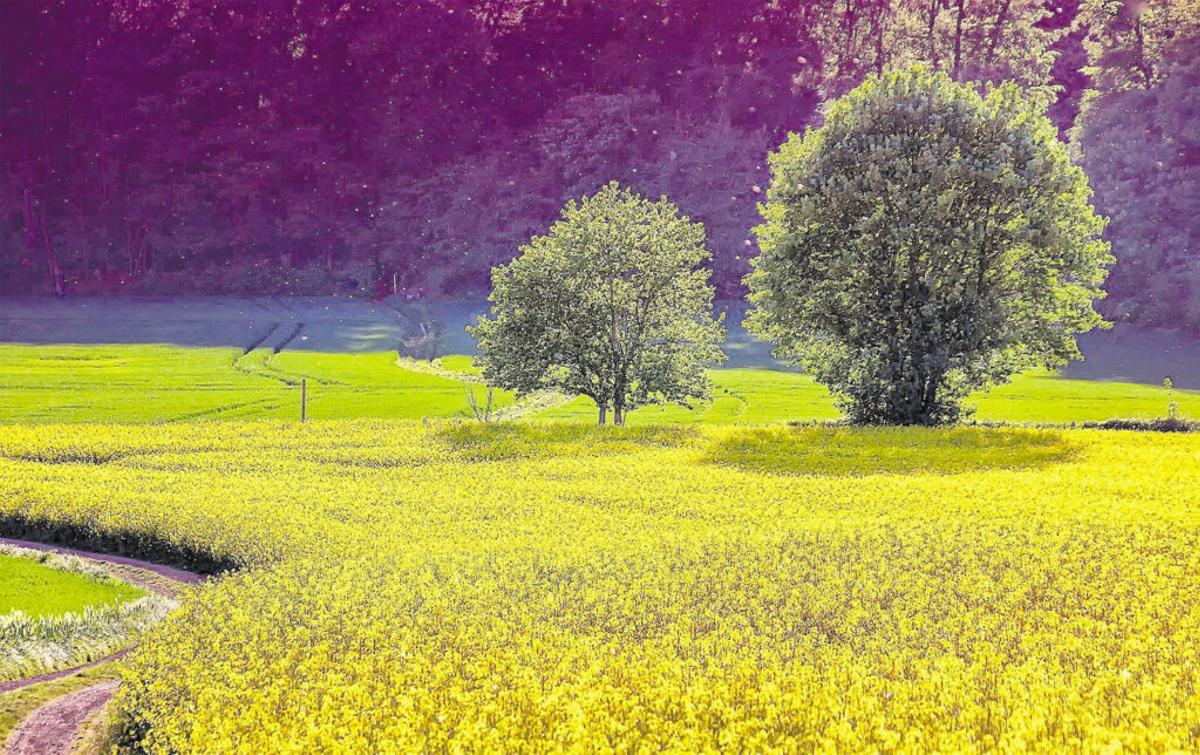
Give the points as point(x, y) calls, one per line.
point(275, 146)
point(925, 241)
point(612, 304)
point(272, 145)
point(1137, 138)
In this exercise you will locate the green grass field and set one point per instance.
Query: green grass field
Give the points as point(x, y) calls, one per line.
point(135, 383)
point(151, 383)
point(40, 591)
point(139, 361)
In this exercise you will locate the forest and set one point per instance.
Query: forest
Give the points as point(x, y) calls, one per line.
point(375, 147)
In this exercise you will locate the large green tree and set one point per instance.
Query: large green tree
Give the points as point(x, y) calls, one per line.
point(612, 304)
point(926, 241)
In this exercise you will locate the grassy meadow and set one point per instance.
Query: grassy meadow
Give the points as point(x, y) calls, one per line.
point(59, 611)
point(40, 591)
point(137, 383)
point(134, 361)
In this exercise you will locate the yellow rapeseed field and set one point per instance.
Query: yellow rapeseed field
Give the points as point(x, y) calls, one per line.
point(401, 587)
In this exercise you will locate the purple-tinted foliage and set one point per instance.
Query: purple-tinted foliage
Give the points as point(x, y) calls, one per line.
point(325, 145)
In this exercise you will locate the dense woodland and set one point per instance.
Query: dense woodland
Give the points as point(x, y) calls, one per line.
point(376, 146)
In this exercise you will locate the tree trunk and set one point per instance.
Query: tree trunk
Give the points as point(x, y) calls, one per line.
point(618, 416)
point(930, 399)
point(31, 221)
point(618, 389)
point(933, 14)
point(879, 54)
point(135, 242)
point(132, 242)
point(603, 414)
point(957, 42)
point(851, 25)
point(997, 30)
point(1142, 65)
point(56, 276)
point(916, 400)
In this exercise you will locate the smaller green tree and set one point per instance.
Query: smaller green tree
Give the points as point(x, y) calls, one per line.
point(926, 241)
point(612, 304)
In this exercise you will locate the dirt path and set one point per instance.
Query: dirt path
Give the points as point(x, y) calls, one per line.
point(53, 729)
point(170, 572)
point(50, 676)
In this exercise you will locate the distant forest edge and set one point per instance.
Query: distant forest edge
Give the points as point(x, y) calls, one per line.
point(375, 147)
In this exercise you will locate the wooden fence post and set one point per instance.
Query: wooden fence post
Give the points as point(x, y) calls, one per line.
point(303, 399)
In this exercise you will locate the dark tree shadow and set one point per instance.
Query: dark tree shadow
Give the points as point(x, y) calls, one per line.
point(483, 441)
point(852, 452)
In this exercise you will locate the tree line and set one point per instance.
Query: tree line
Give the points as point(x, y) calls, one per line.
point(374, 146)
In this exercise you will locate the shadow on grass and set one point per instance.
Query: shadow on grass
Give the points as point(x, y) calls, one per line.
point(852, 452)
point(480, 441)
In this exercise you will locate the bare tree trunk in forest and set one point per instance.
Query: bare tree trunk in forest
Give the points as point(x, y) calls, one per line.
point(994, 42)
point(31, 221)
point(880, 13)
point(1142, 65)
point(36, 231)
point(135, 241)
point(129, 253)
point(958, 24)
point(56, 278)
point(851, 26)
point(933, 13)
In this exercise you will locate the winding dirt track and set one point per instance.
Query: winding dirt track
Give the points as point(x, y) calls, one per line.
point(55, 726)
point(29, 681)
point(170, 572)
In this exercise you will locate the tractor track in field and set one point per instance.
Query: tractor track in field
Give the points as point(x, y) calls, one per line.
point(55, 727)
point(261, 339)
point(269, 346)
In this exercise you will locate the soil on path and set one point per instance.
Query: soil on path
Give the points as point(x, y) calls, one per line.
point(55, 727)
point(120, 566)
